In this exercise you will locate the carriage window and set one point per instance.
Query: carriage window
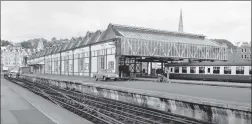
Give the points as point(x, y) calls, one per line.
point(250, 70)
point(208, 70)
point(227, 70)
point(201, 69)
point(184, 69)
point(192, 69)
point(216, 70)
point(176, 69)
point(240, 70)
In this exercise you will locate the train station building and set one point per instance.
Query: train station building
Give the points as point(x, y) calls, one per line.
point(122, 49)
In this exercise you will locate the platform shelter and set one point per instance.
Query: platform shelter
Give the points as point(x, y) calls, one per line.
point(125, 50)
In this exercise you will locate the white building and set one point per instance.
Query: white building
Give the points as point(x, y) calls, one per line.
point(13, 56)
point(245, 51)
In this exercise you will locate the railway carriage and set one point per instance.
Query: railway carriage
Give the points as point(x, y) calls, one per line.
point(213, 71)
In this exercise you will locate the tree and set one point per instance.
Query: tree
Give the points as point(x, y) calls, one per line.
point(53, 39)
point(26, 44)
point(5, 43)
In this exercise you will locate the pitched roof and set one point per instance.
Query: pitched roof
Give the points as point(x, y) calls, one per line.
point(54, 48)
point(136, 28)
point(115, 30)
point(161, 35)
point(64, 46)
point(88, 38)
point(77, 40)
point(95, 37)
point(217, 63)
point(233, 59)
point(58, 48)
point(224, 42)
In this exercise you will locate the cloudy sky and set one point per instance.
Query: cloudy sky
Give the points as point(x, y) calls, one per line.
point(22, 20)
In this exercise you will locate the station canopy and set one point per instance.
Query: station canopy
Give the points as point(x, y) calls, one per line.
point(145, 42)
point(136, 41)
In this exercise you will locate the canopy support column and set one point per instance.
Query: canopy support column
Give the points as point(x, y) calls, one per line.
point(168, 74)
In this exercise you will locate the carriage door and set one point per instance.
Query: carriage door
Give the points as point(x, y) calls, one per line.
point(208, 71)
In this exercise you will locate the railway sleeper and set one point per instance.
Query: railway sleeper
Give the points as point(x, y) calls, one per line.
point(123, 105)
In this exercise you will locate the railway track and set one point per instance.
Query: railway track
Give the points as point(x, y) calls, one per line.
point(101, 110)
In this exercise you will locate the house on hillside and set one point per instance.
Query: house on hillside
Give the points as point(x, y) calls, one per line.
point(245, 51)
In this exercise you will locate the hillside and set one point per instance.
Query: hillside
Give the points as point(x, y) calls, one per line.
point(223, 41)
point(33, 43)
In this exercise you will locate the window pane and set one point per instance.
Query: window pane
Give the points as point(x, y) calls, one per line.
point(113, 50)
point(176, 69)
point(102, 62)
point(240, 70)
point(184, 70)
point(192, 69)
point(86, 66)
point(201, 69)
point(109, 51)
point(216, 70)
point(111, 64)
point(227, 70)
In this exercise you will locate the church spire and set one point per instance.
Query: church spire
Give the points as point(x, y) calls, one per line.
point(180, 28)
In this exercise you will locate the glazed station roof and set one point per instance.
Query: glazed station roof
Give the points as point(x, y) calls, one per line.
point(117, 31)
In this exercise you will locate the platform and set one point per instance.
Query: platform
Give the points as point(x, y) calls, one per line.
point(203, 93)
point(209, 83)
point(20, 106)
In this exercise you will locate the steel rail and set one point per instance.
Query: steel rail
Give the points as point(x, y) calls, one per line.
point(104, 107)
point(118, 104)
point(97, 115)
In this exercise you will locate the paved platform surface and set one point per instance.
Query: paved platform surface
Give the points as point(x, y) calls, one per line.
point(227, 95)
point(20, 106)
point(209, 83)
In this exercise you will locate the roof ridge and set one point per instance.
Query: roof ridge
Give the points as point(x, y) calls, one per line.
point(155, 30)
